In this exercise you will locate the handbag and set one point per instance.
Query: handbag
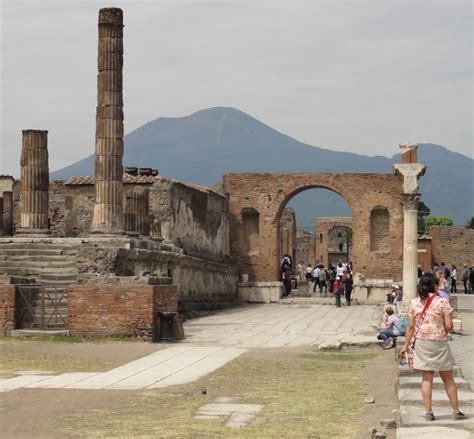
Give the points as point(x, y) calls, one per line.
point(411, 349)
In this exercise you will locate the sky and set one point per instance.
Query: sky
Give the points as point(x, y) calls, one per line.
point(360, 76)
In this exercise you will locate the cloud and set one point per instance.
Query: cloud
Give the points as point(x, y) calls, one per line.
point(360, 76)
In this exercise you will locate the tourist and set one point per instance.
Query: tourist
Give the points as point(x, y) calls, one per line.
point(301, 271)
point(420, 271)
point(435, 268)
point(390, 328)
point(348, 284)
point(446, 272)
point(316, 278)
point(339, 270)
point(442, 285)
point(394, 293)
point(322, 280)
point(471, 280)
point(331, 277)
point(454, 274)
point(285, 265)
point(309, 273)
point(337, 292)
point(429, 321)
point(465, 279)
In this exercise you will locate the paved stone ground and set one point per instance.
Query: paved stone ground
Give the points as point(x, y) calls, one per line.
point(292, 322)
point(213, 341)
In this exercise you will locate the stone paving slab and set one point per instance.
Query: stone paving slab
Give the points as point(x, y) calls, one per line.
point(203, 367)
point(276, 325)
point(414, 382)
point(414, 416)
point(21, 381)
point(432, 433)
point(166, 367)
point(439, 397)
point(60, 381)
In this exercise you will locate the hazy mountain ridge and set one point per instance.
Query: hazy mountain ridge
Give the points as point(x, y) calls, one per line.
point(199, 148)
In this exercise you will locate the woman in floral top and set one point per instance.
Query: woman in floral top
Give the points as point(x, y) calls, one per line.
point(432, 353)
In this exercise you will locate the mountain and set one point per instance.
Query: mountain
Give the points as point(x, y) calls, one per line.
point(199, 148)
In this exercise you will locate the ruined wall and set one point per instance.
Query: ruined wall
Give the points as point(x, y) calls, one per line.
point(326, 231)
point(268, 194)
point(425, 258)
point(118, 310)
point(7, 309)
point(305, 248)
point(452, 245)
point(288, 233)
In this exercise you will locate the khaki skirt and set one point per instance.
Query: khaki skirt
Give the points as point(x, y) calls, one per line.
point(432, 355)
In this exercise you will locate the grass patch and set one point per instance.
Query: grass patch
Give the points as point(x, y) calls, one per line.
point(317, 395)
point(68, 339)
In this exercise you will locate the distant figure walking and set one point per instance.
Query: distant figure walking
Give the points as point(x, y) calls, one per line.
point(309, 273)
point(465, 278)
point(454, 276)
point(442, 285)
point(348, 284)
point(336, 289)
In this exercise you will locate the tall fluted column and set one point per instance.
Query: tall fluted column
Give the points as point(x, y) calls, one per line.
point(34, 183)
point(1, 216)
point(136, 212)
point(411, 172)
point(8, 213)
point(108, 208)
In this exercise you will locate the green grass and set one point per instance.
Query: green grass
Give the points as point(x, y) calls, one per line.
point(67, 339)
point(316, 395)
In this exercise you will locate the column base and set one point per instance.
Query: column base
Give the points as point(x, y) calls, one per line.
point(108, 232)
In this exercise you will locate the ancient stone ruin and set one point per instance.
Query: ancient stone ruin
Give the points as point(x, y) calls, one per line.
point(102, 255)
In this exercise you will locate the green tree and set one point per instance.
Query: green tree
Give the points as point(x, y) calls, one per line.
point(470, 223)
point(423, 212)
point(431, 221)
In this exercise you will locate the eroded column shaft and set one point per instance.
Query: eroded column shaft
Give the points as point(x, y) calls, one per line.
point(8, 213)
point(34, 182)
point(410, 247)
point(108, 208)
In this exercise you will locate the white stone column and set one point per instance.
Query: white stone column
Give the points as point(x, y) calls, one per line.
point(410, 246)
point(411, 172)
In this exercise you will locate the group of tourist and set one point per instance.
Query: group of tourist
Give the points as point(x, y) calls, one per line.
point(334, 281)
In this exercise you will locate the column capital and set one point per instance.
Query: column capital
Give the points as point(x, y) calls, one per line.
point(410, 201)
point(411, 172)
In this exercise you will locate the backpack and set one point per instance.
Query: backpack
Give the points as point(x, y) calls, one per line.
point(403, 325)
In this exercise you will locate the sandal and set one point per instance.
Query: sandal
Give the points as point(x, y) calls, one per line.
point(457, 416)
point(429, 417)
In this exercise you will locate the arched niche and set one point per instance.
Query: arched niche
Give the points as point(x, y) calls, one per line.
point(379, 229)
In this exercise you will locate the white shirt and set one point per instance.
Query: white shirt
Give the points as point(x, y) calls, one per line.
point(316, 272)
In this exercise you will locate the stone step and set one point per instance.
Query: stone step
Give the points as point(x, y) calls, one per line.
point(414, 416)
point(414, 382)
point(21, 259)
point(37, 332)
point(37, 270)
point(404, 371)
point(58, 277)
point(432, 432)
point(37, 251)
point(439, 398)
point(40, 263)
point(36, 246)
point(57, 283)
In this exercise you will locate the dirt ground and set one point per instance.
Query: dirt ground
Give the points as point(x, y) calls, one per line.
point(305, 394)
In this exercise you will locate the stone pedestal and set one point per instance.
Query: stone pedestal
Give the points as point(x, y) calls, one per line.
point(7, 213)
point(34, 183)
point(108, 208)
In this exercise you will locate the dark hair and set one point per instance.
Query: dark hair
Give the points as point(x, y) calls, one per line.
point(426, 285)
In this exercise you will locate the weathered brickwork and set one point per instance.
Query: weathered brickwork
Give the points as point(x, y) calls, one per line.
point(288, 233)
point(305, 247)
point(425, 258)
point(7, 309)
point(452, 245)
point(325, 242)
point(269, 193)
point(118, 310)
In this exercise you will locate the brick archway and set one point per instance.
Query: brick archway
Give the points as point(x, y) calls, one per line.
point(269, 193)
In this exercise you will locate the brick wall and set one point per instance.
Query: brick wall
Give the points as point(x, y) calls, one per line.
point(119, 310)
point(269, 193)
point(7, 309)
point(425, 253)
point(452, 245)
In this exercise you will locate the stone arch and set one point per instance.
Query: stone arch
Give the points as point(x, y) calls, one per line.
point(379, 229)
point(268, 193)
